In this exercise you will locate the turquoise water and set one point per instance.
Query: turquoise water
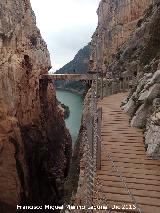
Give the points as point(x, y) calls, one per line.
point(75, 104)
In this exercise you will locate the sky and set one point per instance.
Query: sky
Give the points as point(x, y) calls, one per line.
point(66, 26)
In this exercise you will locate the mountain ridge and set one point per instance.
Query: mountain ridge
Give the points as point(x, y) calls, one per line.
point(78, 65)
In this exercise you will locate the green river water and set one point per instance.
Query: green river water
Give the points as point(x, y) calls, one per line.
point(75, 104)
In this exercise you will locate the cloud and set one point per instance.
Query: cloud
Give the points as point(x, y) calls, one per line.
point(66, 26)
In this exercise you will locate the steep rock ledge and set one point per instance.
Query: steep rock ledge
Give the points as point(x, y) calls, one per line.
point(35, 146)
point(126, 45)
point(117, 20)
point(139, 58)
point(78, 187)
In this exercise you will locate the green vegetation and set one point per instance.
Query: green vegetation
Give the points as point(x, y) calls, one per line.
point(65, 109)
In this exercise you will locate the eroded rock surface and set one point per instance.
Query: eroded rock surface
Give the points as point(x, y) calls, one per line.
point(35, 146)
point(143, 103)
point(126, 45)
point(117, 20)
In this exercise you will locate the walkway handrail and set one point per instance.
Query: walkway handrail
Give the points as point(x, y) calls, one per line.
point(92, 148)
point(107, 86)
point(91, 141)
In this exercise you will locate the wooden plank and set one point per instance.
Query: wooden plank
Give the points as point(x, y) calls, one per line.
point(119, 128)
point(138, 192)
point(126, 198)
point(130, 180)
point(126, 150)
point(121, 135)
point(132, 160)
point(140, 186)
point(133, 170)
point(129, 174)
point(133, 165)
point(123, 142)
point(132, 155)
point(123, 146)
point(107, 138)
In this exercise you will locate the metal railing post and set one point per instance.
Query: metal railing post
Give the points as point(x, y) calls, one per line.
point(101, 87)
point(99, 139)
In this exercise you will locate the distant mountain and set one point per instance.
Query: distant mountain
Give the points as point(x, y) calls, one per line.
point(78, 65)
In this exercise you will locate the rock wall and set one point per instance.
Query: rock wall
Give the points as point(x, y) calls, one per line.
point(79, 194)
point(139, 58)
point(117, 20)
point(126, 44)
point(35, 146)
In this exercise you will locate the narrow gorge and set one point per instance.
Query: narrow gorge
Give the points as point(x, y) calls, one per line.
point(47, 161)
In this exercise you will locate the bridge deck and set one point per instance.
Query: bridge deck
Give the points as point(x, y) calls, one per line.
point(126, 146)
point(71, 77)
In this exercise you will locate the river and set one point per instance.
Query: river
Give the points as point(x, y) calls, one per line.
point(75, 104)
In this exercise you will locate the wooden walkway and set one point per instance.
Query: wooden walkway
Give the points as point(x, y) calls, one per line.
point(126, 146)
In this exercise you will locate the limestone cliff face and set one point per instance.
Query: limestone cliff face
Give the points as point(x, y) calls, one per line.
point(117, 20)
point(139, 59)
point(35, 146)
